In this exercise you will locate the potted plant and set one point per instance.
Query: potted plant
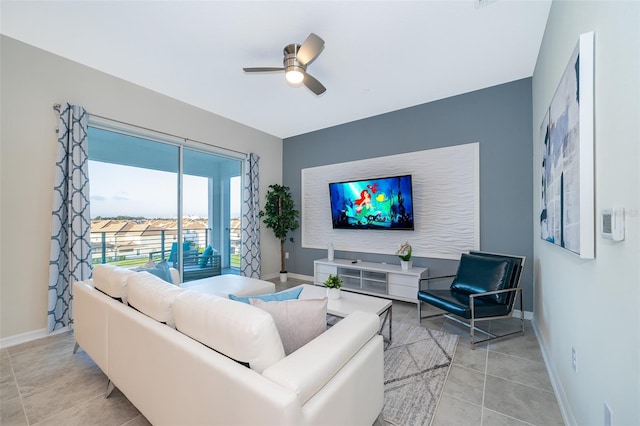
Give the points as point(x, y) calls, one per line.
point(333, 284)
point(281, 217)
point(404, 253)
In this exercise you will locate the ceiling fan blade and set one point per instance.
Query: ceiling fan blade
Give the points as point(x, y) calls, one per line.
point(314, 85)
point(310, 49)
point(263, 69)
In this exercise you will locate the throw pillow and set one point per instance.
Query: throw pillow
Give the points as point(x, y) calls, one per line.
point(297, 321)
point(206, 255)
point(271, 297)
point(173, 253)
point(161, 270)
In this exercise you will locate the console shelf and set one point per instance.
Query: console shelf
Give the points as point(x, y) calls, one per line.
point(376, 279)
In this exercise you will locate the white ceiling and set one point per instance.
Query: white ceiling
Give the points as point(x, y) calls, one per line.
point(378, 57)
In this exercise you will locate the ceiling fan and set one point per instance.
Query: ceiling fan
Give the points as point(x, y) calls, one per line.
point(296, 59)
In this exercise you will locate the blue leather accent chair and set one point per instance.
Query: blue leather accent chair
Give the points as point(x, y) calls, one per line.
point(485, 287)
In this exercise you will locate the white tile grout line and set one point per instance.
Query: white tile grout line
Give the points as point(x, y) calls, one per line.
point(522, 384)
point(133, 419)
point(511, 417)
point(484, 385)
point(15, 380)
point(72, 407)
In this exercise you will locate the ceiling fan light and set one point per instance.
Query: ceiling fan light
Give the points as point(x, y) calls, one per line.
point(294, 76)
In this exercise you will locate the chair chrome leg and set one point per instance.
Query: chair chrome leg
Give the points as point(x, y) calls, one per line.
point(419, 310)
point(521, 313)
point(76, 347)
point(110, 388)
point(472, 323)
point(472, 330)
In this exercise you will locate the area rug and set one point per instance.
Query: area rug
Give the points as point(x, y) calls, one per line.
point(416, 365)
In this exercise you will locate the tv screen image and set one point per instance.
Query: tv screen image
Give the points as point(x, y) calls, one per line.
point(382, 203)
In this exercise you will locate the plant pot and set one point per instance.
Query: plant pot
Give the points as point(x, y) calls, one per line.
point(283, 277)
point(406, 264)
point(333, 293)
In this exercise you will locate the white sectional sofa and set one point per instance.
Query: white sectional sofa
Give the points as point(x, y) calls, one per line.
point(223, 363)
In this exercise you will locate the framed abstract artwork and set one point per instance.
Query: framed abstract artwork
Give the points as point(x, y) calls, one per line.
point(567, 169)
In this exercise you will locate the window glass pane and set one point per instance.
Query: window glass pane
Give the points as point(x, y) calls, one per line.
point(134, 193)
point(235, 222)
point(112, 147)
point(217, 172)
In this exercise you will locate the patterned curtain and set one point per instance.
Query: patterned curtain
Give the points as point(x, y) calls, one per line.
point(71, 222)
point(250, 260)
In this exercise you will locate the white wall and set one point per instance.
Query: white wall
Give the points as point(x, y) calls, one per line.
point(32, 81)
point(594, 305)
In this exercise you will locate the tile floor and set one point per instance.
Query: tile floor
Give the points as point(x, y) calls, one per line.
point(44, 383)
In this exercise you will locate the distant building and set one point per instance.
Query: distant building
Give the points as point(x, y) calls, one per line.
point(116, 238)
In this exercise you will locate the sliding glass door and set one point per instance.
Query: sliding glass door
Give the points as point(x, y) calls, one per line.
point(207, 182)
point(156, 198)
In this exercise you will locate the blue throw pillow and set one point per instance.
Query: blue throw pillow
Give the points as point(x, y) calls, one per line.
point(173, 253)
point(206, 255)
point(271, 297)
point(161, 270)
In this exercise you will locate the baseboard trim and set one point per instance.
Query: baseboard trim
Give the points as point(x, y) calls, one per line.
point(29, 336)
point(290, 274)
point(528, 315)
point(563, 401)
point(302, 277)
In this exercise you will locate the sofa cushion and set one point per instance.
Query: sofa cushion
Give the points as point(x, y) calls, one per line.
point(479, 274)
point(112, 280)
point(237, 330)
point(152, 296)
point(298, 321)
point(271, 297)
point(223, 285)
point(458, 303)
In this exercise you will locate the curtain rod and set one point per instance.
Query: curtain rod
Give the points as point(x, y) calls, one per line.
point(57, 107)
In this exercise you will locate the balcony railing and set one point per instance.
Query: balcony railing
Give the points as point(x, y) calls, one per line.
point(132, 248)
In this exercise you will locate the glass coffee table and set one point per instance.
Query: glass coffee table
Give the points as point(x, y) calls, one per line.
point(350, 302)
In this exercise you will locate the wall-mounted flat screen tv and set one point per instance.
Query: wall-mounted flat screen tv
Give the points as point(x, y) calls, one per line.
point(382, 203)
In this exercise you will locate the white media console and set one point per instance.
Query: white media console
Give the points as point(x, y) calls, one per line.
point(377, 279)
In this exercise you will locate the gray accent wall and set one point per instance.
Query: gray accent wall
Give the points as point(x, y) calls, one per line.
point(498, 118)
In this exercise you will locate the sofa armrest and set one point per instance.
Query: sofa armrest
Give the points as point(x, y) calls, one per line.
point(327, 353)
point(440, 277)
point(90, 321)
point(489, 293)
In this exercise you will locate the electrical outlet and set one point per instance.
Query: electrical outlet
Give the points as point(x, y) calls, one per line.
point(574, 360)
point(286, 255)
point(608, 417)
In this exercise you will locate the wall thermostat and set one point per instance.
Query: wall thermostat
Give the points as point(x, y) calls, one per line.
point(612, 224)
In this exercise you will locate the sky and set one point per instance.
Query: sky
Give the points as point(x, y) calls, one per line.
point(118, 190)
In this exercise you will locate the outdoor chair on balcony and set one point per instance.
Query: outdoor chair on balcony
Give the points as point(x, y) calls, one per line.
point(200, 265)
point(485, 287)
point(196, 265)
